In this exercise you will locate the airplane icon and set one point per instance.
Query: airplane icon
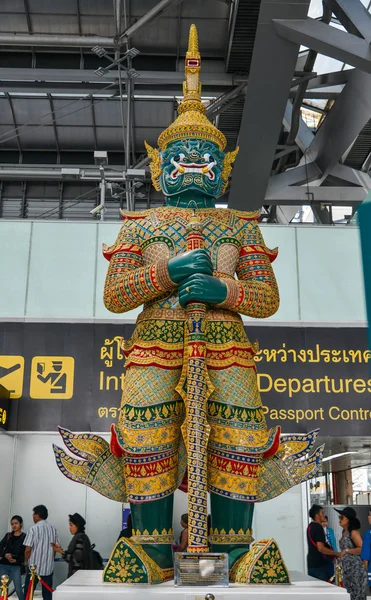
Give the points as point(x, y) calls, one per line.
point(11, 374)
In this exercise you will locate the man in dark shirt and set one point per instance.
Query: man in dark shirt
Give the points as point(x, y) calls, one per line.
point(320, 554)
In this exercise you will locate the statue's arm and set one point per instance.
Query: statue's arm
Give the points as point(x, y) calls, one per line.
point(255, 294)
point(128, 282)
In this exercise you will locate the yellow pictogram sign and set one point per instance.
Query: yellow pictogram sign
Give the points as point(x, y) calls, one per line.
point(52, 377)
point(3, 416)
point(11, 374)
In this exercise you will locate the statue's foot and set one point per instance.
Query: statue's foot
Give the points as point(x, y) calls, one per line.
point(262, 564)
point(129, 563)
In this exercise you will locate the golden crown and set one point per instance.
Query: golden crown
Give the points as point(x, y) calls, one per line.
point(192, 121)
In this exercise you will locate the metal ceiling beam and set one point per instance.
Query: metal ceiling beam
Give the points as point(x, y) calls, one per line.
point(78, 15)
point(309, 194)
point(321, 94)
point(352, 109)
point(329, 79)
point(54, 126)
point(52, 40)
point(78, 174)
point(326, 40)
point(352, 176)
point(28, 18)
point(152, 14)
point(322, 214)
point(353, 16)
point(153, 78)
point(231, 27)
point(304, 136)
point(15, 125)
point(297, 176)
point(94, 123)
point(267, 91)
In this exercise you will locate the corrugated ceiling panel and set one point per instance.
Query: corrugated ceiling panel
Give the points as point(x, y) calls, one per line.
point(97, 25)
point(109, 138)
point(8, 137)
point(5, 112)
point(59, 24)
point(31, 110)
point(244, 36)
point(360, 149)
point(75, 138)
point(14, 23)
point(52, 7)
point(41, 138)
point(108, 112)
point(78, 113)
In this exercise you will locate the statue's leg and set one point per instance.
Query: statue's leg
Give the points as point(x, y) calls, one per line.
point(238, 435)
point(155, 516)
point(148, 432)
point(230, 516)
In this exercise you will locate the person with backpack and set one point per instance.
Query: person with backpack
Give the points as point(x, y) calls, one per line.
point(320, 554)
point(79, 552)
point(12, 554)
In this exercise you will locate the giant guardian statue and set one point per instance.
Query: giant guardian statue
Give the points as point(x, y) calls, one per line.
point(191, 415)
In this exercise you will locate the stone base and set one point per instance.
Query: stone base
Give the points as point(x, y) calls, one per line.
point(88, 585)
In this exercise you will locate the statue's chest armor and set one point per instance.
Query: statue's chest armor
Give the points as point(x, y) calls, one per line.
point(168, 239)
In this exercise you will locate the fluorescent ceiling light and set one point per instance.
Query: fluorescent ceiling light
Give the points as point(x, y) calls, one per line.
point(337, 456)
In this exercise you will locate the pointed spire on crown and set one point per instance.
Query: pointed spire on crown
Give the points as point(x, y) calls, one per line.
point(192, 84)
point(192, 121)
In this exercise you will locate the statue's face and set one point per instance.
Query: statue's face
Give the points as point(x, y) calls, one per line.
point(192, 166)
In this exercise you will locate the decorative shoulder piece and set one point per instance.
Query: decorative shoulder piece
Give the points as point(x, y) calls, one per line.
point(263, 564)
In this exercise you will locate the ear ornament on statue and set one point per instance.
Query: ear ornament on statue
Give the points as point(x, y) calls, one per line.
point(229, 159)
point(155, 165)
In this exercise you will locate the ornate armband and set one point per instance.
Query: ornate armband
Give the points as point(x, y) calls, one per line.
point(235, 295)
point(163, 276)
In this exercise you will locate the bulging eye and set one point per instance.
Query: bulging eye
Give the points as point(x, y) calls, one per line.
point(181, 156)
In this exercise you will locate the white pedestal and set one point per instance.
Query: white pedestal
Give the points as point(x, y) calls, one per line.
point(88, 585)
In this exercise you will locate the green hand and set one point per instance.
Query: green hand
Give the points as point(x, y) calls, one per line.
point(202, 288)
point(187, 264)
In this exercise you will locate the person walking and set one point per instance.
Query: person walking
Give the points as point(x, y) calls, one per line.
point(12, 554)
point(320, 555)
point(366, 550)
point(39, 550)
point(354, 573)
point(78, 554)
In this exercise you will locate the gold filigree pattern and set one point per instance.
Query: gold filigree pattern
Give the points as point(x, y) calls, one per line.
point(231, 537)
point(154, 165)
point(144, 537)
point(129, 563)
point(229, 159)
point(263, 564)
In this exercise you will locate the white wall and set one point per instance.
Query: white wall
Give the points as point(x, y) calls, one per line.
point(282, 519)
point(6, 477)
point(318, 270)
